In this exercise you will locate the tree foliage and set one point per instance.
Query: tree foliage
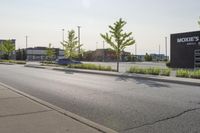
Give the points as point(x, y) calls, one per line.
point(50, 52)
point(71, 45)
point(148, 57)
point(7, 47)
point(118, 39)
point(199, 21)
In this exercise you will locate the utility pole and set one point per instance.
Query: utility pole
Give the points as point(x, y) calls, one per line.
point(26, 48)
point(159, 53)
point(103, 51)
point(79, 42)
point(135, 51)
point(63, 36)
point(166, 47)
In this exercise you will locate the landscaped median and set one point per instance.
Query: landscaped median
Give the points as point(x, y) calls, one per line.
point(91, 67)
point(188, 73)
point(151, 71)
point(12, 62)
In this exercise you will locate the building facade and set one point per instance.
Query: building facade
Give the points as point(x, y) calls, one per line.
point(185, 50)
point(40, 53)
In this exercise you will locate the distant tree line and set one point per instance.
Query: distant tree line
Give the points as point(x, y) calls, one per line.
point(21, 54)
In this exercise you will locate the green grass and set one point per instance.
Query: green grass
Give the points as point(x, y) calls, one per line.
point(91, 67)
point(183, 73)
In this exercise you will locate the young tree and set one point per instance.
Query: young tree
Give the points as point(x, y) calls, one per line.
point(50, 52)
point(118, 39)
point(148, 57)
point(71, 45)
point(7, 47)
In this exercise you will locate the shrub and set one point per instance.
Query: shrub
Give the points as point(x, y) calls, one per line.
point(153, 71)
point(13, 61)
point(165, 72)
point(91, 67)
point(195, 74)
point(137, 70)
point(183, 73)
point(168, 64)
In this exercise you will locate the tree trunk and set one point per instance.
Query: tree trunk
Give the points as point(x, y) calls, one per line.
point(117, 62)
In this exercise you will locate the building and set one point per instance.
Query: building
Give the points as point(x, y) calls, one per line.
point(107, 55)
point(12, 56)
point(40, 53)
point(140, 57)
point(159, 57)
point(185, 50)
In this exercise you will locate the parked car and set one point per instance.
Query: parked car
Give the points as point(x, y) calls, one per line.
point(67, 61)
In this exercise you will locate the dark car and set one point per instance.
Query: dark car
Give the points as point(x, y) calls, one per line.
point(67, 61)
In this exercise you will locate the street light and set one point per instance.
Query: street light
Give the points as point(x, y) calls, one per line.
point(26, 48)
point(63, 36)
point(166, 47)
point(79, 42)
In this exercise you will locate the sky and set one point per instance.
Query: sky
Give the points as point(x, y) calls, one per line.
point(149, 20)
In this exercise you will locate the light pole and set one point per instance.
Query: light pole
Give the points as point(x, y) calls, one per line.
point(63, 36)
point(159, 53)
point(166, 47)
point(79, 42)
point(26, 48)
point(103, 51)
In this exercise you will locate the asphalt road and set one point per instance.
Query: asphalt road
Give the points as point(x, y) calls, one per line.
point(125, 105)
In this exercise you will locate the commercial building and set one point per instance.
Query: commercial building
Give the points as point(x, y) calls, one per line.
point(185, 50)
point(107, 55)
point(40, 53)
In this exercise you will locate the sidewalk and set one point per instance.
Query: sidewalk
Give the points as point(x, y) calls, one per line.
point(19, 114)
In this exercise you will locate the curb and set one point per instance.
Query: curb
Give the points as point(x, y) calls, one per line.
point(184, 81)
point(80, 119)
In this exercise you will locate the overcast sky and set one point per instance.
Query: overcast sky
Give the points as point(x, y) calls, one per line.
point(149, 20)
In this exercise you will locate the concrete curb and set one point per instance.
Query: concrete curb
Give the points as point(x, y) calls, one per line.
point(176, 80)
point(80, 119)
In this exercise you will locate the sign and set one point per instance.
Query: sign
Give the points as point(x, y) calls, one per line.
point(189, 40)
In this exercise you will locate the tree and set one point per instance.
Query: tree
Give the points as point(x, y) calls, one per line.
point(118, 39)
point(199, 21)
point(50, 52)
point(7, 47)
point(148, 57)
point(18, 54)
point(71, 45)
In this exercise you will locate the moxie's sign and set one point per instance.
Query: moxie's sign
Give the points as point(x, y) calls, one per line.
point(188, 39)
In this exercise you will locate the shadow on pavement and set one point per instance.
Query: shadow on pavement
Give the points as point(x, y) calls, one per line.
point(149, 83)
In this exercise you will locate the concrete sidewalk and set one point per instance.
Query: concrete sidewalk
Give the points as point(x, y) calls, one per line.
point(19, 114)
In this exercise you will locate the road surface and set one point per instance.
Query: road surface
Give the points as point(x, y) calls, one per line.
point(125, 105)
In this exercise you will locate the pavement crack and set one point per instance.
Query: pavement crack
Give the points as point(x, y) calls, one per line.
point(6, 98)
point(28, 113)
point(161, 120)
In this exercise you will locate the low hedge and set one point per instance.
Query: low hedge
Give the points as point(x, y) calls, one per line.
point(91, 67)
point(13, 61)
point(152, 71)
point(188, 73)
